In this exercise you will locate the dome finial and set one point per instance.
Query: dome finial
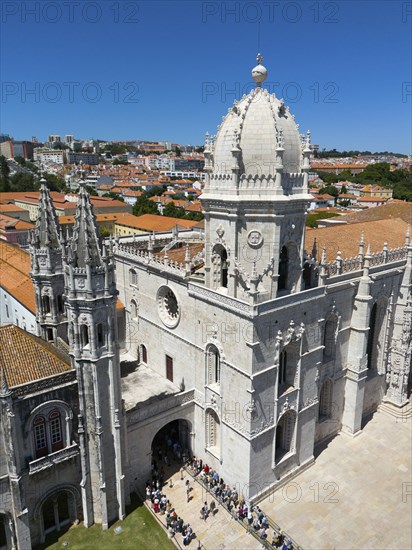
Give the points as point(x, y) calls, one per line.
point(259, 73)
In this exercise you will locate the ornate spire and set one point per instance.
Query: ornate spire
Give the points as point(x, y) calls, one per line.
point(4, 387)
point(85, 245)
point(259, 73)
point(46, 232)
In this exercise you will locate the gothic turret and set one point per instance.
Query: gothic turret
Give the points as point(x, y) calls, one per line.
point(91, 296)
point(47, 271)
point(255, 198)
point(357, 354)
point(398, 374)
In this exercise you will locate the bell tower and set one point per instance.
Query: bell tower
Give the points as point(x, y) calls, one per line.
point(255, 198)
point(47, 271)
point(91, 296)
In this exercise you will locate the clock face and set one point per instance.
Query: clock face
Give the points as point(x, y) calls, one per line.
point(168, 307)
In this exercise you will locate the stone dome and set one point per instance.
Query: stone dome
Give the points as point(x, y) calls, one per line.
point(258, 124)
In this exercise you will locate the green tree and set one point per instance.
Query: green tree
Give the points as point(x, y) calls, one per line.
point(330, 190)
point(20, 160)
point(173, 211)
point(4, 175)
point(144, 206)
point(91, 190)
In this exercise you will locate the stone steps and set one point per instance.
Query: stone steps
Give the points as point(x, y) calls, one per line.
point(402, 414)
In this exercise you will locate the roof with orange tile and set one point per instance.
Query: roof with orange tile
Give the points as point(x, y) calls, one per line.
point(151, 222)
point(390, 210)
point(195, 206)
point(8, 222)
point(100, 218)
point(26, 358)
point(346, 237)
point(178, 254)
point(14, 274)
point(6, 208)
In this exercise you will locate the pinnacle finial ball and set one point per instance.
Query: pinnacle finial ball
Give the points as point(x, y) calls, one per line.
point(259, 73)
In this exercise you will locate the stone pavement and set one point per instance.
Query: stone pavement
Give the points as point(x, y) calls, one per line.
point(218, 532)
point(355, 495)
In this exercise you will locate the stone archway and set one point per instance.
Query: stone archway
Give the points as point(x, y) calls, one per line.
point(7, 539)
point(57, 511)
point(171, 446)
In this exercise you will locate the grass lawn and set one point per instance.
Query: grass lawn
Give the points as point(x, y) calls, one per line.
point(140, 531)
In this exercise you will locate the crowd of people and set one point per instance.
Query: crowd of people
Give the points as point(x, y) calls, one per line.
point(251, 516)
point(229, 497)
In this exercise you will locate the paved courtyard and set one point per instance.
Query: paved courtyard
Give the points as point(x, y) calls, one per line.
point(217, 532)
point(358, 494)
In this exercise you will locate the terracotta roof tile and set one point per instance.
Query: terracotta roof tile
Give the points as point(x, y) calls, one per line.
point(14, 274)
point(8, 222)
point(346, 237)
point(26, 358)
point(151, 222)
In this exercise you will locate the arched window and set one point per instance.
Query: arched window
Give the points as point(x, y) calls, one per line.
point(325, 400)
point(46, 305)
point(329, 339)
point(283, 268)
point(132, 277)
point(221, 266)
point(285, 432)
point(48, 436)
point(212, 365)
point(288, 367)
point(84, 335)
point(133, 309)
point(213, 431)
point(101, 337)
point(144, 354)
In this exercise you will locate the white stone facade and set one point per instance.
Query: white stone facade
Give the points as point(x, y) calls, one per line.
point(220, 336)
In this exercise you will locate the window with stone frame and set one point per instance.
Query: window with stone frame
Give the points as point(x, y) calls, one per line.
point(101, 337)
point(48, 434)
point(285, 432)
point(84, 336)
point(213, 431)
point(288, 367)
point(133, 277)
point(46, 305)
point(212, 365)
point(144, 353)
point(220, 262)
point(133, 309)
point(326, 400)
point(329, 339)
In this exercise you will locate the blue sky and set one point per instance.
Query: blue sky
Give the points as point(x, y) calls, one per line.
point(169, 70)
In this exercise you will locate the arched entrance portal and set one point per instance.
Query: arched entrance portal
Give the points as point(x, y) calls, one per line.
point(171, 447)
